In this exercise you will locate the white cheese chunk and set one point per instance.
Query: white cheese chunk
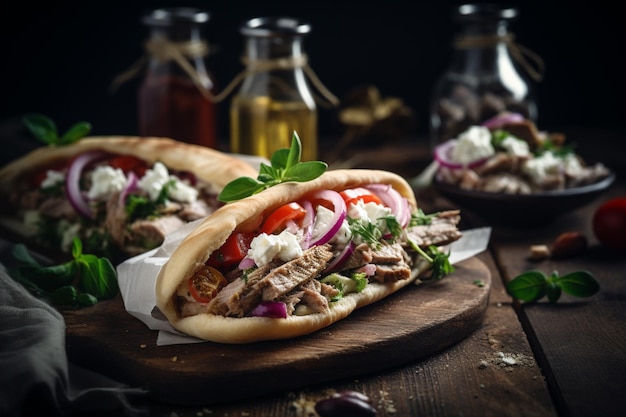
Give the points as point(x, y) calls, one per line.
point(473, 144)
point(106, 180)
point(265, 248)
point(52, 178)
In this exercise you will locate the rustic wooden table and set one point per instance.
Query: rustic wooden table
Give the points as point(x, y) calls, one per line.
point(565, 360)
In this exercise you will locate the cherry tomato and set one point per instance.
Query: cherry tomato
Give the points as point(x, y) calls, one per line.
point(232, 251)
point(206, 283)
point(128, 163)
point(354, 195)
point(609, 223)
point(279, 218)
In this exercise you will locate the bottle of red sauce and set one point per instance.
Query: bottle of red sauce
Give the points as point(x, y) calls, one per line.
point(175, 98)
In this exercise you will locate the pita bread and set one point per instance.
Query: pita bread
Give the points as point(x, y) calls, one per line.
point(209, 164)
point(246, 215)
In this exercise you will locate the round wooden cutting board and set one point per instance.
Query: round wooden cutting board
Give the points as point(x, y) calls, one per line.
point(413, 323)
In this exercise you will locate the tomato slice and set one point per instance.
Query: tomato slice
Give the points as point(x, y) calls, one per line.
point(279, 218)
point(354, 195)
point(128, 163)
point(206, 283)
point(232, 251)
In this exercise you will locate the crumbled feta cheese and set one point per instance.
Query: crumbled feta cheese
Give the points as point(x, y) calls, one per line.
point(182, 192)
point(323, 217)
point(542, 167)
point(264, 248)
point(515, 147)
point(473, 144)
point(154, 179)
point(52, 178)
point(370, 211)
point(572, 165)
point(106, 180)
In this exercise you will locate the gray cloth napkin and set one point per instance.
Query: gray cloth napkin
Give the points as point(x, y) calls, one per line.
point(35, 374)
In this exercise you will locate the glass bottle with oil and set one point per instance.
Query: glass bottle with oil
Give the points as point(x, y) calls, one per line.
point(274, 99)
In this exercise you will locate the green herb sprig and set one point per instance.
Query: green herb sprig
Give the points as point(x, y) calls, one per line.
point(533, 285)
point(81, 282)
point(422, 219)
point(440, 261)
point(45, 130)
point(285, 167)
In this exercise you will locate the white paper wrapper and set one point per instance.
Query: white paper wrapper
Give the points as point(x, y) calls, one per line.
point(137, 279)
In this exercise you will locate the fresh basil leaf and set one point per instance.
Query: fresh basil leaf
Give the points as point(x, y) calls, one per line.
point(86, 300)
point(295, 151)
point(98, 277)
point(64, 296)
point(305, 171)
point(529, 286)
point(285, 166)
point(42, 127)
point(75, 133)
point(579, 284)
point(280, 159)
point(22, 255)
point(49, 277)
point(553, 291)
point(239, 188)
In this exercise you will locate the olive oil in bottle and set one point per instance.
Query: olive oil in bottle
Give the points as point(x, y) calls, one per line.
point(274, 100)
point(261, 125)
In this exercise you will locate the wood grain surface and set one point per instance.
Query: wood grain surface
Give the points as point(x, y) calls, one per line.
point(413, 323)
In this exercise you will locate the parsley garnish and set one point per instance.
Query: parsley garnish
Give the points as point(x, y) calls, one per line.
point(393, 225)
point(422, 219)
point(534, 285)
point(498, 136)
point(44, 129)
point(285, 166)
point(368, 231)
point(440, 261)
point(141, 207)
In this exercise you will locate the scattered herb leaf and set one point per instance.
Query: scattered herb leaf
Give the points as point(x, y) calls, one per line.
point(81, 282)
point(285, 166)
point(45, 130)
point(534, 285)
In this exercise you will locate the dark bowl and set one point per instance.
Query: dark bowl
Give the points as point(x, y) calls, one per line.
point(521, 210)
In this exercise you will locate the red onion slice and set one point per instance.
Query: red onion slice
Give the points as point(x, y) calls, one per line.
point(443, 156)
point(72, 181)
point(246, 263)
point(393, 199)
point(271, 309)
point(131, 185)
point(502, 119)
point(341, 258)
point(339, 215)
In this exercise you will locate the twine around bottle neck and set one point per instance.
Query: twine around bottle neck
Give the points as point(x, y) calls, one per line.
point(519, 52)
point(257, 66)
point(165, 50)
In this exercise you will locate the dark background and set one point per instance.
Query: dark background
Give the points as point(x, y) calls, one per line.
point(60, 58)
